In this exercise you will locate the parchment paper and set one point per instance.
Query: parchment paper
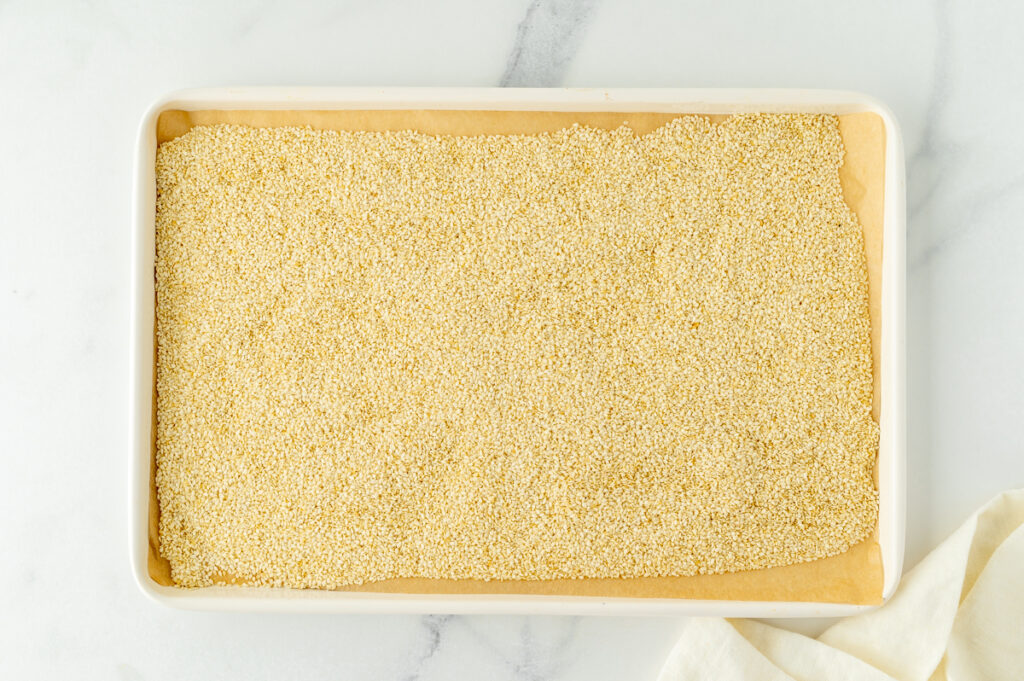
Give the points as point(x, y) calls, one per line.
point(851, 577)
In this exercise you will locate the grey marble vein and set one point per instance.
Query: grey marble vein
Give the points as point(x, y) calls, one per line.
point(436, 626)
point(537, 662)
point(926, 160)
point(546, 41)
point(527, 648)
point(932, 167)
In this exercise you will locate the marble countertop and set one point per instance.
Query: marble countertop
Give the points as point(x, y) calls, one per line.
point(74, 81)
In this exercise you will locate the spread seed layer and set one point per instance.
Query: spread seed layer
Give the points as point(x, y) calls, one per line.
point(581, 354)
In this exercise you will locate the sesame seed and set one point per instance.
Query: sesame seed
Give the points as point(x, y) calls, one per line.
point(581, 354)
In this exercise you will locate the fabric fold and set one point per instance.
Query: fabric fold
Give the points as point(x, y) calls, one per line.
point(958, 615)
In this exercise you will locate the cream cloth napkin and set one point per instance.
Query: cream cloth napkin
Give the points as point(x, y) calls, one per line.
point(957, 616)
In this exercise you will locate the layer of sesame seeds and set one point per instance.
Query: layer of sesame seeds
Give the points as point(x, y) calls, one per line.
point(581, 354)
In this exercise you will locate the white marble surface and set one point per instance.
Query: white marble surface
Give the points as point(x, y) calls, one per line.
point(74, 80)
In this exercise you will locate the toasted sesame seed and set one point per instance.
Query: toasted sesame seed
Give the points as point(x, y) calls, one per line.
point(580, 354)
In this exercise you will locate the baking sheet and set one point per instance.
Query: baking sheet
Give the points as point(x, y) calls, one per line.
point(853, 577)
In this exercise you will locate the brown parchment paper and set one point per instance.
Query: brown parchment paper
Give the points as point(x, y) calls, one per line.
point(851, 577)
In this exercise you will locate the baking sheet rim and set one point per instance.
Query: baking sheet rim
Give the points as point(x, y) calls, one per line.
point(680, 101)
